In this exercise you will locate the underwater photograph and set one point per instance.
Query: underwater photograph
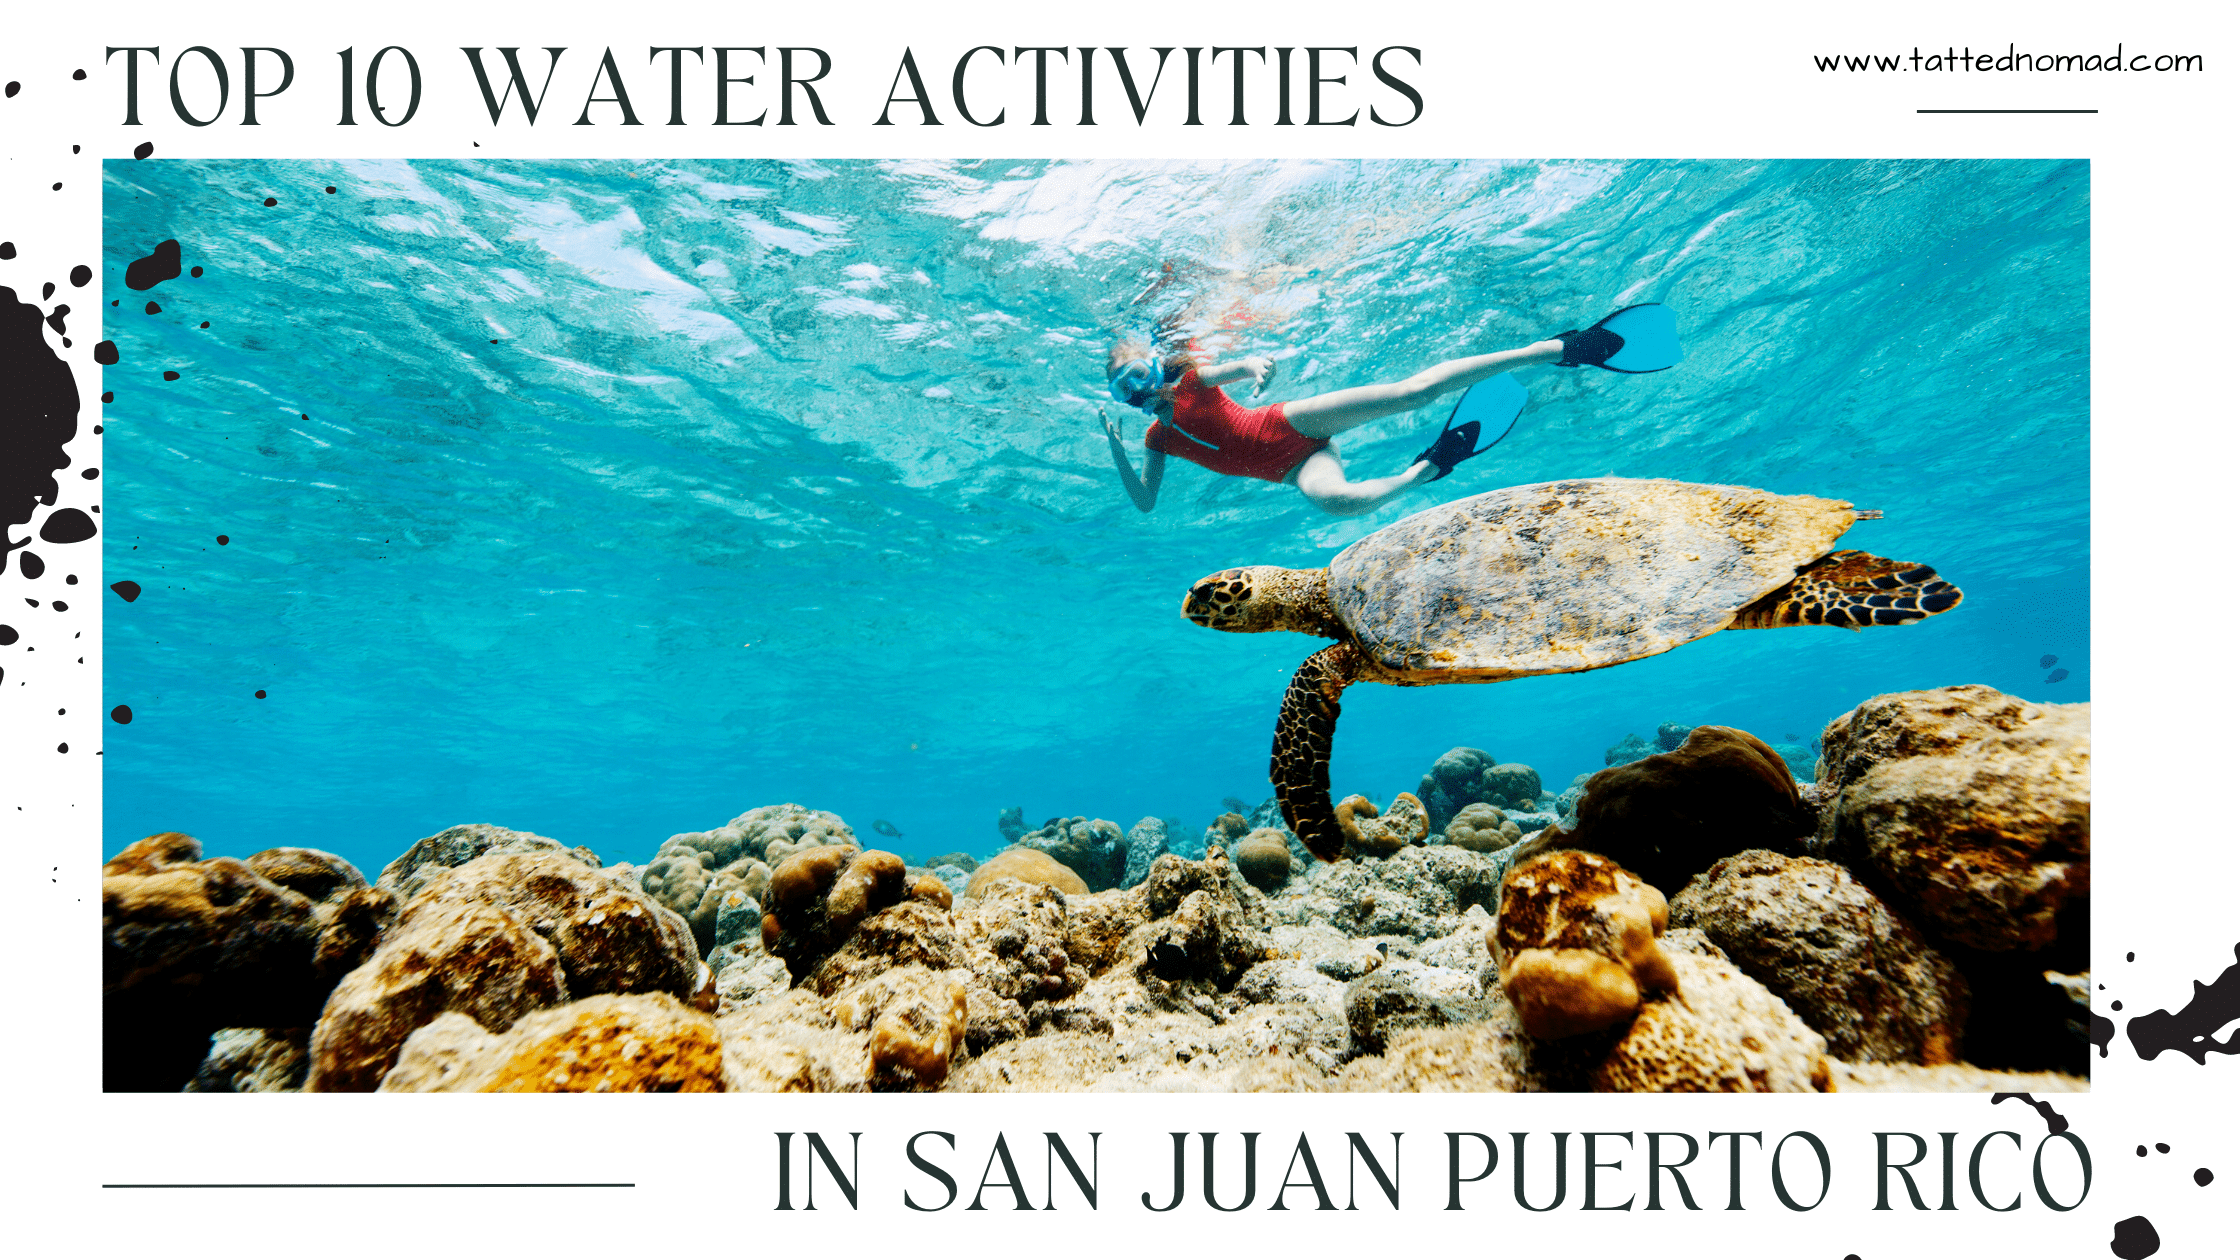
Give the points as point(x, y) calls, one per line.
point(1000, 626)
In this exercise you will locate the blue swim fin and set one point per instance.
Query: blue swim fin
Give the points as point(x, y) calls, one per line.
point(1642, 338)
point(1497, 401)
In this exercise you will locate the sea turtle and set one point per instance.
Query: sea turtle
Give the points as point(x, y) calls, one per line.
point(1547, 579)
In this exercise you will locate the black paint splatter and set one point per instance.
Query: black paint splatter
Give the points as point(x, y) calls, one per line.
point(171, 376)
point(2103, 1032)
point(196, 272)
point(160, 265)
point(2202, 1176)
point(2135, 1239)
point(2188, 1031)
point(154, 309)
point(121, 715)
point(141, 151)
point(127, 590)
point(260, 695)
point(8, 635)
point(2055, 1121)
point(68, 525)
point(7, 249)
point(272, 201)
point(14, 87)
point(55, 317)
point(38, 416)
point(81, 276)
point(105, 353)
point(32, 565)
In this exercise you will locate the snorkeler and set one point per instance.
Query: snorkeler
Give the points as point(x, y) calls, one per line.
point(1290, 442)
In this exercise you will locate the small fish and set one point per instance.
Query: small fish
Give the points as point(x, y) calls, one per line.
point(2046, 661)
point(1231, 805)
point(885, 828)
point(2057, 675)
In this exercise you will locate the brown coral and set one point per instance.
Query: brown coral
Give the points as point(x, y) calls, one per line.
point(1031, 866)
point(1371, 833)
point(1720, 1033)
point(1482, 828)
point(1576, 943)
point(1264, 859)
point(819, 895)
point(1668, 816)
point(916, 1023)
point(613, 1043)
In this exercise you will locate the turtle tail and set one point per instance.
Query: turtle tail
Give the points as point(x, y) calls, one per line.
point(1300, 764)
point(1854, 590)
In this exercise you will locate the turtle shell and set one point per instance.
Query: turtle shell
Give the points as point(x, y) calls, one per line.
point(1570, 575)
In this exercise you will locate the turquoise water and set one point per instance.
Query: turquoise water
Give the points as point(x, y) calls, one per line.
point(608, 500)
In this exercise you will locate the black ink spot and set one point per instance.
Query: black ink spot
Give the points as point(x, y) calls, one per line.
point(71, 580)
point(2135, 1239)
point(206, 323)
point(2115, 1006)
point(126, 590)
point(171, 376)
point(90, 473)
point(153, 309)
point(58, 185)
point(272, 201)
point(7, 249)
point(33, 566)
point(109, 396)
point(63, 748)
point(2130, 957)
point(223, 540)
point(77, 75)
point(2055, 1121)
point(330, 188)
point(56, 316)
point(46, 291)
point(67, 526)
point(38, 415)
point(2141, 1152)
point(2103, 1032)
point(196, 272)
point(59, 606)
point(8, 635)
point(2163, 1147)
point(2188, 1031)
point(2202, 1176)
point(141, 151)
point(14, 87)
point(260, 695)
point(121, 715)
point(97, 428)
point(161, 264)
point(81, 276)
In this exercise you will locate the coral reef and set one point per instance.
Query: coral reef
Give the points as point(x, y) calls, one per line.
point(1669, 815)
point(1146, 841)
point(190, 946)
point(1093, 849)
point(254, 1061)
point(494, 939)
point(614, 1043)
point(1848, 965)
point(1469, 776)
point(818, 896)
point(695, 873)
point(451, 847)
point(1373, 833)
point(1576, 943)
point(1011, 822)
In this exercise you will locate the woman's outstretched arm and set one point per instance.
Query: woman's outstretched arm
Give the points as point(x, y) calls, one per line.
point(1143, 490)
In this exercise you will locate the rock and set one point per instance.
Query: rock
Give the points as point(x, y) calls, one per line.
point(1567, 801)
point(914, 1020)
point(964, 862)
point(1291, 980)
point(1480, 1058)
point(1671, 735)
point(1093, 849)
point(1225, 831)
point(738, 918)
point(1972, 807)
point(1370, 834)
point(1146, 841)
point(955, 878)
point(1850, 967)
point(745, 975)
point(819, 895)
point(613, 1043)
point(411, 870)
point(503, 935)
point(1718, 1032)
point(1576, 943)
point(1630, 749)
point(914, 932)
point(254, 1061)
point(792, 1043)
point(1101, 926)
point(1950, 1078)
point(696, 872)
point(1383, 1003)
point(1010, 821)
point(1264, 859)
point(1482, 828)
point(1670, 815)
point(190, 946)
point(1418, 893)
point(1015, 936)
point(1031, 866)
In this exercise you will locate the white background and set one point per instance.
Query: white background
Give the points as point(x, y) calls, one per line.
point(1604, 79)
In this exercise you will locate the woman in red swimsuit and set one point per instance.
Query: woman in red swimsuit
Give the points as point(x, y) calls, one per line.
point(1287, 441)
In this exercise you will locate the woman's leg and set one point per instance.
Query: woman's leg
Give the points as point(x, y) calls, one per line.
point(1323, 480)
point(1327, 415)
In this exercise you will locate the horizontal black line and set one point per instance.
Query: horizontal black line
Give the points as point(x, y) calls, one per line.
point(368, 1184)
point(2006, 111)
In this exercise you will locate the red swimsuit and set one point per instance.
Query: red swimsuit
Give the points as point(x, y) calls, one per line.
point(1209, 428)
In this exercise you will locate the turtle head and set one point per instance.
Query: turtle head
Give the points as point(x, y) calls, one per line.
point(1263, 597)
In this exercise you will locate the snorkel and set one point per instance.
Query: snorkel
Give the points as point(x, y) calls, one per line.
point(1135, 384)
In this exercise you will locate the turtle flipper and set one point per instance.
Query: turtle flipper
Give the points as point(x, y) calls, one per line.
point(1300, 764)
point(1852, 589)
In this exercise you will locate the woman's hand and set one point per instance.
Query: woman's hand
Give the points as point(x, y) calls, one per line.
point(1111, 430)
point(1257, 368)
